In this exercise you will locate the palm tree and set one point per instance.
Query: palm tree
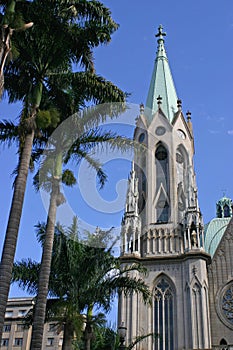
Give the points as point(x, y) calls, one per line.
point(82, 277)
point(74, 29)
point(51, 178)
point(85, 140)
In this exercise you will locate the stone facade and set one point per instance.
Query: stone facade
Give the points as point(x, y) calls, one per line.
point(220, 274)
point(162, 228)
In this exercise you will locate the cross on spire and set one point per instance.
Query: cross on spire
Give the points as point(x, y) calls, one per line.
point(160, 33)
point(224, 192)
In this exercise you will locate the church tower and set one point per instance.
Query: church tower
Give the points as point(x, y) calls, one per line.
point(162, 226)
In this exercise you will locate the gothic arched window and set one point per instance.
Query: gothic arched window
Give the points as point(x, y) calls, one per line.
point(164, 315)
point(223, 342)
point(162, 183)
point(183, 178)
point(219, 211)
point(226, 210)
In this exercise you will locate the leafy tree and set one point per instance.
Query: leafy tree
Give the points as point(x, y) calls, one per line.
point(82, 278)
point(73, 29)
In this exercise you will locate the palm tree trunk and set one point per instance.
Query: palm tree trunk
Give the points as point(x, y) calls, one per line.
point(12, 230)
point(88, 334)
point(56, 198)
point(68, 336)
point(9, 248)
point(40, 307)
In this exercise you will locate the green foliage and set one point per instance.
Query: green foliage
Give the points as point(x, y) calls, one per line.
point(12, 16)
point(9, 132)
point(72, 29)
point(26, 274)
point(82, 276)
point(48, 118)
point(64, 33)
point(105, 338)
point(68, 178)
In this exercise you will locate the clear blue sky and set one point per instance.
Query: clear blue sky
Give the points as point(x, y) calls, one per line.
point(199, 46)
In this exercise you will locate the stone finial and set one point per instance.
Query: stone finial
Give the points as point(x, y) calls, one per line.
point(142, 108)
point(179, 104)
point(188, 116)
point(159, 101)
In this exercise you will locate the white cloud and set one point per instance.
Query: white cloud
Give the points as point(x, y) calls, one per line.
point(213, 132)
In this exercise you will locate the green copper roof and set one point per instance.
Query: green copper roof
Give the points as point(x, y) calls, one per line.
point(161, 82)
point(214, 231)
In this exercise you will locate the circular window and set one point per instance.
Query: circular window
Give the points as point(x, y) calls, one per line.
point(141, 138)
point(225, 305)
point(160, 130)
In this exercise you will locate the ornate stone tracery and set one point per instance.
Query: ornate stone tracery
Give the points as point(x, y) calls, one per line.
point(227, 303)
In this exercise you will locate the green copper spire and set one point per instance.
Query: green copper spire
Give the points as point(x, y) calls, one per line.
point(161, 82)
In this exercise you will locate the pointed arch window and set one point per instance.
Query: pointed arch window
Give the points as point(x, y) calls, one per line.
point(219, 211)
point(223, 344)
point(182, 167)
point(162, 182)
point(142, 186)
point(164, 315)
point(226, 210)
point(162, 211)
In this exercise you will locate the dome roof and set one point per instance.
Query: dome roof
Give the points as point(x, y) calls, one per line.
point(214, 231)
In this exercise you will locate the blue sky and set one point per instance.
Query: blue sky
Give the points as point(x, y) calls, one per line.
point(200, 52)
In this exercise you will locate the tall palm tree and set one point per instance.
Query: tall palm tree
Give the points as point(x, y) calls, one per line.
point(84, 140)
point(74, 139)
point(73, 28)
point(51, 178)
point(82, 277)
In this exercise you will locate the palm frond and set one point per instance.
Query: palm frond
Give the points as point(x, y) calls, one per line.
point(9, 132)
point(26, 274)
point(140, 338)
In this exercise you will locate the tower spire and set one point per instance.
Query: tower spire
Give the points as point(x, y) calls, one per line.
point(161, 52)
point(162, 82)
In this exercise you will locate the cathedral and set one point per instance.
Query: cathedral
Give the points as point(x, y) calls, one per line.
point(189, 264)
